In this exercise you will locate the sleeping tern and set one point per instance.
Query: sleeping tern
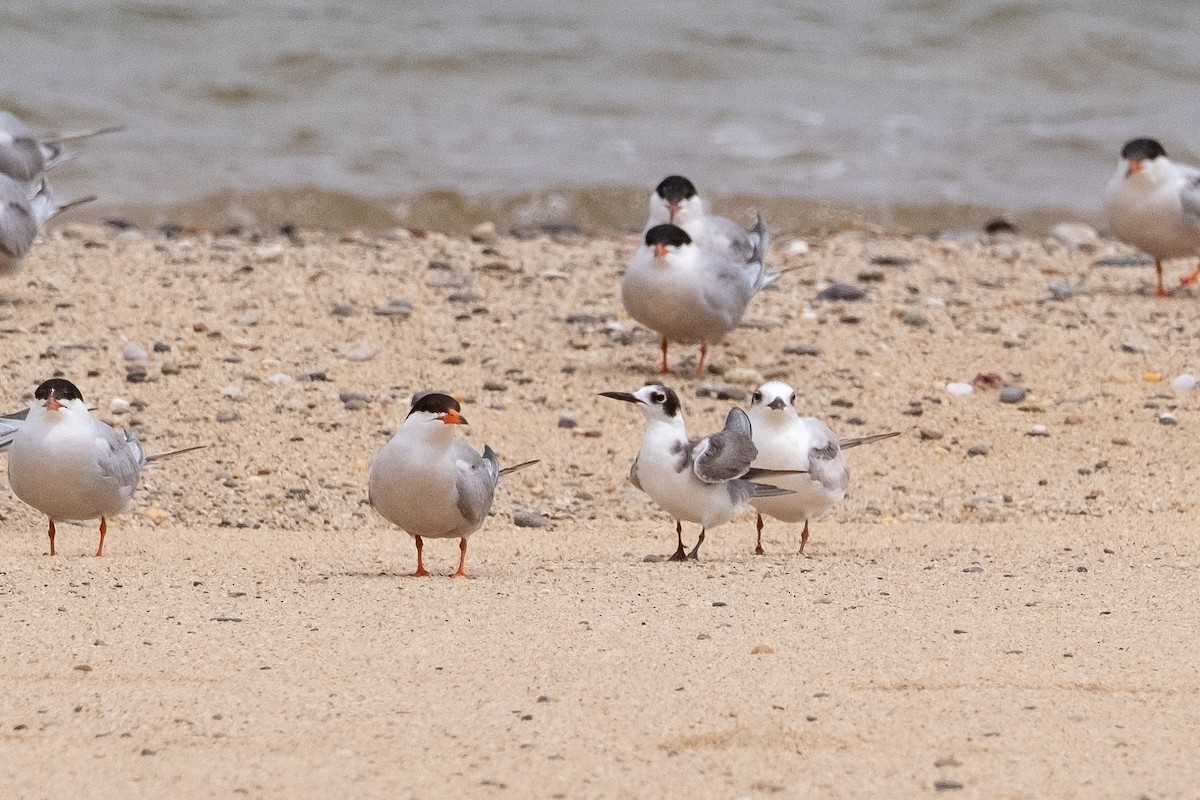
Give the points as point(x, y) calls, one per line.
point(431, 483)
point(707, 480)
point(687, 293)
point(70, 466)
point(1153, 204)
point(787, 441)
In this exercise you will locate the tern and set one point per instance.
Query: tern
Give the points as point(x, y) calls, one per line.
point(21, 216)
point(687, 293)
point(787, 441)
point(70, 466)
point(675, 201)
point(707, 480)
point(1153, 204)
point(431, 483)
point(24, 156)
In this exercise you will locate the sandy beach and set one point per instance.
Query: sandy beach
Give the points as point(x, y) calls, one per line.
point(1004, 606)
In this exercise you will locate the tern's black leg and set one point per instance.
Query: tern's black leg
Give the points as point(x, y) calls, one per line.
point(680, 554)
point(696, 550)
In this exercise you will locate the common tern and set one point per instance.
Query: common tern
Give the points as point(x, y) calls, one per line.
point(24, 156)
point(431, 483)
point(675, 201)
point(1153, 204)
point(787, 441)
point(707, 480)
point(689, 294)
point(22, 216)
point(70, 466)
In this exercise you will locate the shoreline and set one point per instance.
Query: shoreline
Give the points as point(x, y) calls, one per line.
point(595, 210)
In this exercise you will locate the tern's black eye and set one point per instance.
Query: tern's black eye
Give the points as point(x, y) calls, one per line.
point(658, 398)
point(756, 398)
point(792, 399)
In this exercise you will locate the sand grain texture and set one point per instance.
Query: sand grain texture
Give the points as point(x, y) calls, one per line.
point(1016, 624)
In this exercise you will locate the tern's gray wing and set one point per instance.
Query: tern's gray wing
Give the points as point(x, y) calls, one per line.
point(477, 477)
point(18, 225)
point(826, 462)
point(119, 457)
point(738, 421)
point(722, 456)
point(9, 425)
point(21, 155)
point(1189, 197)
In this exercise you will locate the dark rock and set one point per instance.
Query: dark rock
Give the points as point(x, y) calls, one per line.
point(841, 292)
point(1012, 394)
point(529, 519)
point(803, 350)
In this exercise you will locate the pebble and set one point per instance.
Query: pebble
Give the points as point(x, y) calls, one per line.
point(529, 519)
point(401, 309)
point(930, 436)
point(959, 389)
point(270, 252)
point(841, 291)
point(761, 649)
point(1133, 347)
point(1012, 394)
point(1038, 430)
point(803, 350)
point(721, 392)
point(162, 347)
point(495, 386)
point(354, 401)
point(119, 405)
point(280, 379)
point(914, 319)
point(343, 310)
point(1076, 236)
point(484, 233)
point(1167, 418)
point(979, 450)
point(228, 416)
point(233, 392)
point(360, 351)
point(797, 247)
point(1184, 382)
point(1063, 290)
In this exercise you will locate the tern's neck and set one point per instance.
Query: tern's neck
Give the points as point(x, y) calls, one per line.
point(664, 431)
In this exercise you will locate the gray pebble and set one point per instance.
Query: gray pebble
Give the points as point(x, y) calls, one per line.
point(529, 519)
point(653, 558)
point(1133, 347)
point(931, 436)
point(979, 450)
point(162, 347)
point(228, 416)
point(973, 569)
point(914, 319)
point(722, 392)
point(394, 308)
point(841, 291)
point(495, 386)
point(803, 350)
point(342, 310)
point(1167, 418)
point(453, 361)
point(1012, 394)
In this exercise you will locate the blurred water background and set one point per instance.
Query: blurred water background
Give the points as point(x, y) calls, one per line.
point(357, 111)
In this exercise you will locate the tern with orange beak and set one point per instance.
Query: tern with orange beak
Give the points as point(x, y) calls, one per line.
point(1153, 204)
point(70, 466)
point(688, 294)
point(675, 201)
point(431, 483)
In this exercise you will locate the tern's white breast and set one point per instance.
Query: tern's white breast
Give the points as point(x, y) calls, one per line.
point(413, 484)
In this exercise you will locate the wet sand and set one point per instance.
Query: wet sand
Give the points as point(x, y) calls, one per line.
point(1013, 624)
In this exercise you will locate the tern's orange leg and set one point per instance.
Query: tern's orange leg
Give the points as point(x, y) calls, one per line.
point(1195, 276)
point(680, 554)
point(703, 355)
point(51, 537)
point(696, 550)
point(420, 573)
point(1161, 290)
point(758, 551)
point(462, 559)
point(665, 369)
point(103, 530)
point(803, 537)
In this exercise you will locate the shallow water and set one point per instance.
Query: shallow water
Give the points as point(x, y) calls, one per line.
point(1014, 105)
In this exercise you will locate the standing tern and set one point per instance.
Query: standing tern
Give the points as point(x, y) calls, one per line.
point(707, 480)
point(70, 466)
point(787, 441)
point(687, 293)
point(429, 482)
point(21, 216)
point(675, 201)
point(1153, 204)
